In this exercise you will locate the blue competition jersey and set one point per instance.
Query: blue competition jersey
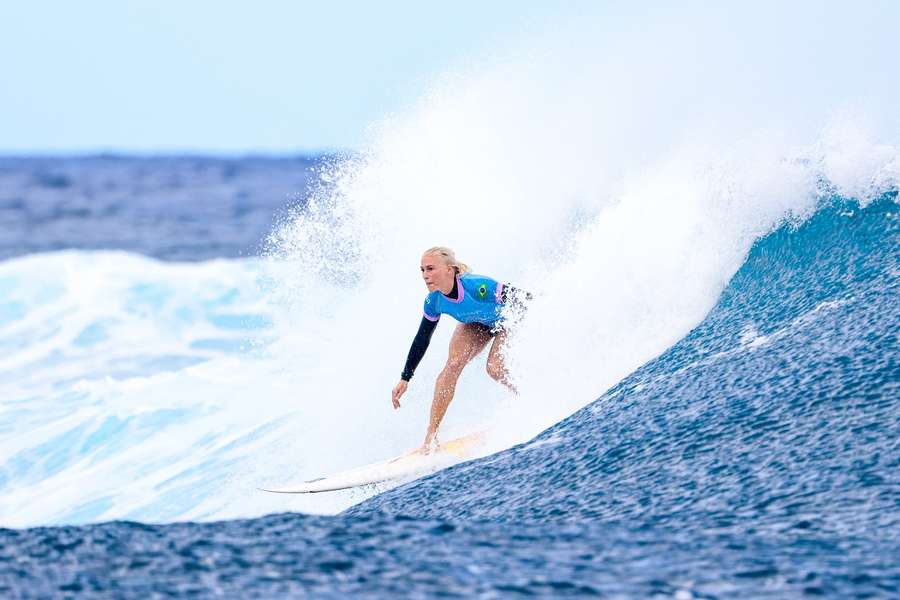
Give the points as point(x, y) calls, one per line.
point(478, 301)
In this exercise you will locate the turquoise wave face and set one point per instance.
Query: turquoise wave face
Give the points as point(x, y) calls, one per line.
point(95, 376)
point(760, 450)
point(110, 314)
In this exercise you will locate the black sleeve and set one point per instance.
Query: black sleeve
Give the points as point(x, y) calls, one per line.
point(418, 348)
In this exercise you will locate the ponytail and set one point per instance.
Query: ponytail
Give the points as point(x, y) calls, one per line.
point(449, 257)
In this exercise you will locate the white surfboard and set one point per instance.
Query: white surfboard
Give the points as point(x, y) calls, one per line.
point(408, 466)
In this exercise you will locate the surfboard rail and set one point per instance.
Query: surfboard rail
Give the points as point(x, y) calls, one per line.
point(411, 465)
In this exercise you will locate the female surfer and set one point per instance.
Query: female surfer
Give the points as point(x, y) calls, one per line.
point(473, 300)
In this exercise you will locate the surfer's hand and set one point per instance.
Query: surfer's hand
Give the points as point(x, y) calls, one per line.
point(399, 390)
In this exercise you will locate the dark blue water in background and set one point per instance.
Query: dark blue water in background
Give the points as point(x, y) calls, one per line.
point(169, 207)
point(756, 458)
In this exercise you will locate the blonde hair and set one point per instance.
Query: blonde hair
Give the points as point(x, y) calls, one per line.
point(449, 257)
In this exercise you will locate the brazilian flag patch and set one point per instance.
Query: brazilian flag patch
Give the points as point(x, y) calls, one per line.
point(482, 291)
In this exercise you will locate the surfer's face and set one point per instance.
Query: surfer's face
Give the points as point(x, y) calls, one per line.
point(438, 275)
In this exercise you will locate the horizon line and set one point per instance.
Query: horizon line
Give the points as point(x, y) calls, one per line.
point(235, 153)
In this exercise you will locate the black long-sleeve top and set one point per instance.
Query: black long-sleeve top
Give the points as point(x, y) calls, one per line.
point(418, 348)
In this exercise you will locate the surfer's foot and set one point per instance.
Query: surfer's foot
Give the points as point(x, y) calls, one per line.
point(429, 446)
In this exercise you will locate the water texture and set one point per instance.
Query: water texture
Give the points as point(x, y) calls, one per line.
point(757, 457)
point(702, 200)
point(169, 207)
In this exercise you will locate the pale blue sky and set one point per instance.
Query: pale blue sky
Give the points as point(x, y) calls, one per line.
point(226, 76)
point(278, 76)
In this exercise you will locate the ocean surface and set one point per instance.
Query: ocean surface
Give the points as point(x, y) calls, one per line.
point(757, 456)
point(704, 205)
point(169, 207)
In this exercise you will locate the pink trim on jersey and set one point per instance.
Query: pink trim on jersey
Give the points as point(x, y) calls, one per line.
point(430, 318)
point(460, 289)
point(498, 292)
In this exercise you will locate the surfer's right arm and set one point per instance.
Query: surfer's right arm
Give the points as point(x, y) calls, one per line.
point(416, 352)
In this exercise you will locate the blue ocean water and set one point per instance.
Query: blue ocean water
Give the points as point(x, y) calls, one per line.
point(756, 457)
point(168, 207)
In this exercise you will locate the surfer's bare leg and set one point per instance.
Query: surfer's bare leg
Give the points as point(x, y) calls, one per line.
point(495, 365)
point(467, 341)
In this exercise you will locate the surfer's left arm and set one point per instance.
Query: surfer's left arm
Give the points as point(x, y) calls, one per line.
point(416, 352)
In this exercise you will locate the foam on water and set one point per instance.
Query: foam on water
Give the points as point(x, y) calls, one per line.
point(161, 391)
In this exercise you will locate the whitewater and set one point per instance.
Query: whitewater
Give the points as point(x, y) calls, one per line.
point(708, 370)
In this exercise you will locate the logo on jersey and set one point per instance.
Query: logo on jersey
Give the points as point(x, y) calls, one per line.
point(482, 291)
